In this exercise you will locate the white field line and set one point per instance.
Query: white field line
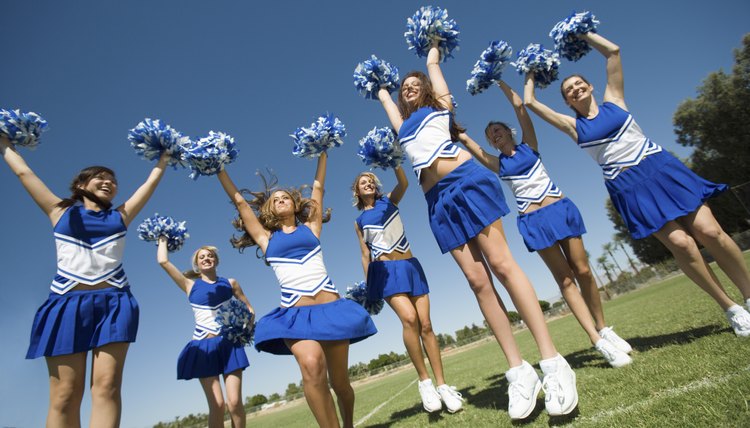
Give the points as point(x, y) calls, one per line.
point(664, 394)
point(375, 410)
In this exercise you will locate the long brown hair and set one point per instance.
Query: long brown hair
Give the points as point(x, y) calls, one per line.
point(262, 204)
point(77, 193)
point(426, 99)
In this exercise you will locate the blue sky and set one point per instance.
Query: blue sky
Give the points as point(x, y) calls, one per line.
point(257, 70)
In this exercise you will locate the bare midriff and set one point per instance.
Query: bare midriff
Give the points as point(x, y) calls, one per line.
point(394, 255)
point(439, 168)
point(318, 299)
point(86, 287)
point(546, 201)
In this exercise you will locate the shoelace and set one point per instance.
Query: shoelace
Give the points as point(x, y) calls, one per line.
point(454, 392)
point(515, 390)
point(608, 354)
point(742, 320)
point(551, 387)
point(430, 394)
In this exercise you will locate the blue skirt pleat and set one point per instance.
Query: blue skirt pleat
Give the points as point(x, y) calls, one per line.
point(463, 203)
point(389, 277)
point(342, 319)
point(210, 357)
point(79, 321)
point(542, 228)
point(656, 191)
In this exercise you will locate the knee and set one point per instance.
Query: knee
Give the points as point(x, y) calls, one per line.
point(216, 404)
point(410, 321)
point(313, 370)
point(235, 404)
point(479, 281)
point(566, 283)
point(66, 395)
point(106, 387)
point(682, 242)
point(504, 268)
point(426, 329)
point(708, 233)
point(581, 270)
point(342, 387)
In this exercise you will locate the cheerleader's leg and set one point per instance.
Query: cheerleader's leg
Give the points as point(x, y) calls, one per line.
point(703, 226)
point(407, 313)
point(313, 368)
point(107, 364)
point(578, 261)
point(233, 386)
point(67, 381)
point(429, 340)
point(215, 398)
point(337, 359)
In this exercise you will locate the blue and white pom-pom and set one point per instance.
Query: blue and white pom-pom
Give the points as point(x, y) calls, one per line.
point(358, 293)
point(237, 322)
point(380, 149)
point(567, 44)
point(542, 62)
point(22, 128)
point(209, 155)
point(325, 133)
point(154, 227)
point(489, 68)
point(151, 138)
point(432, 23)
point(373, 74)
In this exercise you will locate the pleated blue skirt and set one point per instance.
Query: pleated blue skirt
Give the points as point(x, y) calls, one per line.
point(542, 228)
point(210, 357)
point(389, 277)
point(342, 319)
point(656, 191)
point(463, 203)
point(79, 321)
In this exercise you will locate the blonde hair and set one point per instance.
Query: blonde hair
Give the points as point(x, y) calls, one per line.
point(356, 199)
point(195, 272)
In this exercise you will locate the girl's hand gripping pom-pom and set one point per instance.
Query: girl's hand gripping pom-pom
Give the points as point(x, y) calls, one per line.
point(489, 68)
point(237, 322)
point(209, 155)
point(432, 24)
point(373, 74)
point(325, 133)
point(22, 128)
point(152, 228)
point(151, 138)
point(565, 32)
point(380, 149)
point(542, 62)
point(358, 293)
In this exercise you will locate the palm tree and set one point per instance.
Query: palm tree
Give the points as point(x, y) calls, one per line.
point(602, 261)
point(618, 240)
point(596, 274)
point(608, 247)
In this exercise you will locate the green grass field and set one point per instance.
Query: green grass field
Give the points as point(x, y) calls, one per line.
point(689, 370)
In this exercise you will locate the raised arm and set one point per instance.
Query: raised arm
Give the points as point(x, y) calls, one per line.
point(363, 248)
point(402, 183)
point(315, 222)
point(251, 223)
point(137, 201)
point(391, 109)
point(439, 85)
point(615, 92)
point(528, 135)
point(162, 256)
point(39, 192)
point(239, 294)
point(563, 122)
point(489, 161)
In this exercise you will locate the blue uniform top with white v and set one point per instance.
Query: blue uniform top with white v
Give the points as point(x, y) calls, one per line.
point(297, 261)
point(527, 177)
point(425, 136)
point(613, 139)
point(206, 299)
point(90, 246)
point(382, 229)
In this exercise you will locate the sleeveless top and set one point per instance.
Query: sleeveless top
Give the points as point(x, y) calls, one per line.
point(527, 177)
point(425, 136)
point(90, 246)
point(613, 139)
point(297, 261)
point(206, 299)
point(382, 229)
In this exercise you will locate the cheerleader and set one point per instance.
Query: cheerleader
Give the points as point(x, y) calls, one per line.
point(313, 322)
point(210, 354)
point(550, 224)
point(393, 273)
point(90, 306)
point(652, 190)
point(465, 204)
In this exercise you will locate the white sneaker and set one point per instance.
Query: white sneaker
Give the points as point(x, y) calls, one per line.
point(747, 305)
point(614, 356)
point(739, 318)
point(430, 397)
point(523, 388)
point(559, 384)
point(609, 334)
point(453, 399)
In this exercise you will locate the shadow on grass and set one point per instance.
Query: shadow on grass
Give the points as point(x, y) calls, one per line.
point(586, 358)
point(495, 397)
point(407, 413)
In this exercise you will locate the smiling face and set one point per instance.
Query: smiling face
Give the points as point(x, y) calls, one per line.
point(205, 259)
point(576, 89)
point(411, 90)
point(366, 186)
point(500, 136)
point(103, 185)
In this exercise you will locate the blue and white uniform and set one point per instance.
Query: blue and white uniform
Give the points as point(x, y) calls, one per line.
point(648, 186)
point(90, 246)
point(209, 356)
point(467, 199)
point(297, 261)
point(383, 232)
point(526, 176)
